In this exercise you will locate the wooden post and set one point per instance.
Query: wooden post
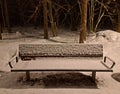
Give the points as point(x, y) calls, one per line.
point(93, 75)
point(27, 76)
point(45, 19)
point(83, 21)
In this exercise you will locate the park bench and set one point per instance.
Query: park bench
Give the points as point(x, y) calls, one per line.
point(61, 57)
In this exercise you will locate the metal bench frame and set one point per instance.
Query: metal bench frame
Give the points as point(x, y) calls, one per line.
point(16, 58)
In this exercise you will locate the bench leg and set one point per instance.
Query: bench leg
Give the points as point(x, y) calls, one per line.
point(27, 76)
point(93, 75)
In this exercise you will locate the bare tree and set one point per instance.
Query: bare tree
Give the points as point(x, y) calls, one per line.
point(0, 31)
point(91, 24)
point(118, 20)
point(20, 8)
point(2, 12)
point(45, 12)
point(7, 16)
point(83, 21)
point(51, 18)
point(0, 20)
point(60, 14)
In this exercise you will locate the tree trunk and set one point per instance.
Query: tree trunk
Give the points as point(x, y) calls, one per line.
point(91, 24)
point(51, 19)
point(21, 13)
point(0, 31)
point(2, 13)
point(45, 19)
point(7, 16)
point(83, 21)
point(119, 21)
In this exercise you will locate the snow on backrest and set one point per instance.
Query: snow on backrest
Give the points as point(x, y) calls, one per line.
point(61, 50)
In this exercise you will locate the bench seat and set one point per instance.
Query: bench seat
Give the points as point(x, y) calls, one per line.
point(61, 64)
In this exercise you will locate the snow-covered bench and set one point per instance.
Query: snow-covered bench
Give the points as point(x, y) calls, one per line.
point(60, 57)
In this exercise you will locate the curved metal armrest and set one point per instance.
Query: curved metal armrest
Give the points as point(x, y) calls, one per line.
point(11, 60)
point(113, 62)
point(14, 58)
point(10, 64)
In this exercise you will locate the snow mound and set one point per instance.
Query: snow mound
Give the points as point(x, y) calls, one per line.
point(109, 35)
point(116, 76)
point(15, 35)
point(105, 36)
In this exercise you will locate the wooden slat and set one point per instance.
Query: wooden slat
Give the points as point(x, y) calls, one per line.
point(61, 64)
point(61, 50)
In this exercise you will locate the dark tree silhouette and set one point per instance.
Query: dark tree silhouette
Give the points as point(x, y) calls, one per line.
point(7, 16)
point(45, 19)
point(83, 21)
point(0, 32)
point(119, 17)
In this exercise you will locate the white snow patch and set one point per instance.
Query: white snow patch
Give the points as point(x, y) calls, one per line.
point(104, 37)
point(109, 35)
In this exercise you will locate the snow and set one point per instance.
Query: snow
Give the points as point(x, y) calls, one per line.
point(106, 36)
point(106, 82)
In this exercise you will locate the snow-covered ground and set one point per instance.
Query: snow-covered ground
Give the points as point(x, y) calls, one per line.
point(106, 84)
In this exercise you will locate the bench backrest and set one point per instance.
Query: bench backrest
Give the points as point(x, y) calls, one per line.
point(61, 50)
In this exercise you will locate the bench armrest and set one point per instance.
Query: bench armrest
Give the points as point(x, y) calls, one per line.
point(14, 59)
point(11, 60)
point(113, 62)
point(10, 64)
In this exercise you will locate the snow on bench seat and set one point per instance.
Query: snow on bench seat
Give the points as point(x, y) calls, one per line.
point(61, 63)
